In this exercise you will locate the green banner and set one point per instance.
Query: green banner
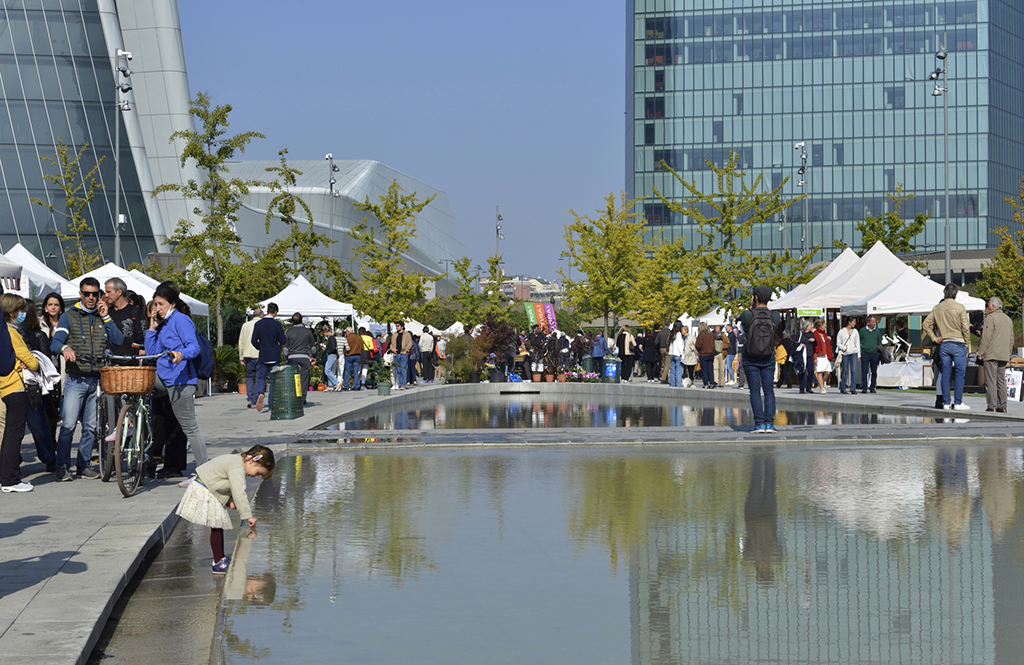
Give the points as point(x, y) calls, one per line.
point(530, 313)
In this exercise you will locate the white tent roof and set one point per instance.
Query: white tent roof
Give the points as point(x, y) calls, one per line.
point(836, 267)
point(910, 293)
point(10, 274)
point(198, 307)
point(40, 278)
point(716, 317)
point(877, 268)
point(301, 296)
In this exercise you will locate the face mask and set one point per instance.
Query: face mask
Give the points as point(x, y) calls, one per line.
point(20, 318)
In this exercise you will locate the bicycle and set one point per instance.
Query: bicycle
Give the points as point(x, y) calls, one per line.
point(133, 435)
point(103, 447)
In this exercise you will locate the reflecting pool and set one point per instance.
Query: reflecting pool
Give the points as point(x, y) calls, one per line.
point(812, 555)
point(531, 411)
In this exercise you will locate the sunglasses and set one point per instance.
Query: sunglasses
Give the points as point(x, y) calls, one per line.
point(90, 294)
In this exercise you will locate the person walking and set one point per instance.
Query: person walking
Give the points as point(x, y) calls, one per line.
point(369, 354)
point(649, 354)
point(950, 319)
point(730, 355)
point(690, 358)
point(626, 344)
point(676, 347)
point(53, 308)
point(721, 350)
point(848, 345)
point(248, 355)
point(759, 324)
point(83, 330)
point(661, 337)
point(352, 347)
point(268, 338)
point(598, 350)
point(822, 355)
point(329, 357)
point(994, 352)
point(870, 341)
point(39, 387)
point(428, 360)
point(301, 342)
point(15, 398)
point(401, 344)
point(705, 347)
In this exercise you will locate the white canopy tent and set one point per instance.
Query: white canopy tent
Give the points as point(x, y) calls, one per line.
point(301, 296)
point(877, 268)
point(198, 307)
point(39, 277)
point(10, 275)
point(838, 266)
point(910, 293)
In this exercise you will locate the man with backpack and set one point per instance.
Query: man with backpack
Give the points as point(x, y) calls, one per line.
point(759, 325)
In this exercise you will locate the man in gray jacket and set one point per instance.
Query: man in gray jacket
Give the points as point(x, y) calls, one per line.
point(996, 344)
point(300, 343)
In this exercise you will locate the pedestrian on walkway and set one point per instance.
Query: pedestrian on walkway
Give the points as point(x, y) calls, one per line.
point(219, 483)
point(870, 341)
point(248, 355)
point(805, 358)
point(301, 344)
point(352, 348)
point(848, 345)
point(995, 349)
point(705, 347)
point(15, 399)
point(330, 356)
point(822, 355)
point(661, 333)
point(676, 347)
point(627, 347)
point(730, 355)
point(950, 319)
point(268, 338)
point(428, 360)
point(760, 324)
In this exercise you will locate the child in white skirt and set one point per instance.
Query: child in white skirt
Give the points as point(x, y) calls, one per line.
point(220, 482)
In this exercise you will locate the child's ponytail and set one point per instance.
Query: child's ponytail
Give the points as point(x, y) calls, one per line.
point(263, 456)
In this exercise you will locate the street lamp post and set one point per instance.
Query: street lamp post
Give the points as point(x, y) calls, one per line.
point(446, 262)
point(123, 87)
point(331, 170)
point(497, 231)
point(943, 72)
point(805, 240)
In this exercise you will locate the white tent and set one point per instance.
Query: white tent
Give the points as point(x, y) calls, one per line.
point(301, 296)
point(198, 307)
point(838, 266)
point(10, 275)
point(910, 293)
point(716, 317)
point(877, 268)
point(39, 277)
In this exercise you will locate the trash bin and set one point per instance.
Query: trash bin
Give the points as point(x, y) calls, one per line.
point(588, 364)
point(287, 402)
point(611, 369)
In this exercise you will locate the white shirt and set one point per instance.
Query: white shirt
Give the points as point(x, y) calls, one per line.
point(677, 345)
point(848, 342)
point(426, 342)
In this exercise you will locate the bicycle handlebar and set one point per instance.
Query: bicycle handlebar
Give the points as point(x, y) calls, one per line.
point(110, 356)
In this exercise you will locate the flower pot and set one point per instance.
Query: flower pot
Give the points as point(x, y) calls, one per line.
point(474, 377)
point(561, 378)
point(495, 376)
point(383, 389)
point(321, 387)
point(549, 378)
point(241, 387)
point(536, 378)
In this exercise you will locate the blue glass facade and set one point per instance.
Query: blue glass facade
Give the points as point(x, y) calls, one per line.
point(56, 80)
point(850, 79)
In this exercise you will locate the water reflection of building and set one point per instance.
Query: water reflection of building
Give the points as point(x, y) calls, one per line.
point(806, 588)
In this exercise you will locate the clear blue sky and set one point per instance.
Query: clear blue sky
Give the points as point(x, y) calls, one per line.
point(515, 104)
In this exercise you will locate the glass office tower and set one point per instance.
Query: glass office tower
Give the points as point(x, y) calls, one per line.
point(850, 79)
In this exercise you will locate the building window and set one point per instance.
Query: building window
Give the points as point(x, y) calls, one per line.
point(649, 134)
point(654, 107)
point(837, 153)
point(818, 154)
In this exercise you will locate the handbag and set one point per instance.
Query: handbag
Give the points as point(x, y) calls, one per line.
point(884, 355)
point(389, 358)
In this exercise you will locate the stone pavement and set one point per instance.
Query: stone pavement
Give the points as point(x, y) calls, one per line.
point(68, 550)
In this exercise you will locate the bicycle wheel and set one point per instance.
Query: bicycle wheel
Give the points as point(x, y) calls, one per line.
point(129, 457)
point(106, 448)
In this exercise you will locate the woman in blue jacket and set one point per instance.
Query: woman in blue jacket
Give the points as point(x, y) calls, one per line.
point(172, 330)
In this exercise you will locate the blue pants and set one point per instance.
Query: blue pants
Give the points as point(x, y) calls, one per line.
point(351, 373)
point(730, 373)
point(954, 359)
point(402, 368)
point(251, 367)
point(760, 373)
point(675, 371)
point(262, 372)
point(329, 370)
point(868, 364)
point(46, 447)
point(79, 402)
point(848, 373)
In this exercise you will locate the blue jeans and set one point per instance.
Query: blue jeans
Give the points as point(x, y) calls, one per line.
point(252, 366)
point(46, 447)
point(954, 359)
point(760, 373)
point(675, 371)
point(79, 402)
point(848, 373)
point(329, 370)
point(262, 372)
point(402, 368)
point(730, 373)
point(351, 373)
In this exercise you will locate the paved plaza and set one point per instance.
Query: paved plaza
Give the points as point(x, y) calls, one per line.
point(68, 550)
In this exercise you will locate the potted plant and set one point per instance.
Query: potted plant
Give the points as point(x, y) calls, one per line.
point(464, 357)
point(227, 369)
point(381, 373)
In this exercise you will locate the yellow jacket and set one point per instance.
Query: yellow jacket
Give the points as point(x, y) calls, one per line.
point(12, 383)
point(781, 355)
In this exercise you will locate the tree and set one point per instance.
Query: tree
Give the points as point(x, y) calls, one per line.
point(606, 252)
point(466, 297)
point(1003, 276)
point(666, 284)
point(724, 219)
point(207, 253)
point(387, 289)
point(493, 305)
point(318, 269)
point(79, 191)
point(890, 228)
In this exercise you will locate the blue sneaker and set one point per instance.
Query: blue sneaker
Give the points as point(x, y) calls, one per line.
point(769, 428)
point(758, 429)
point(221, 567)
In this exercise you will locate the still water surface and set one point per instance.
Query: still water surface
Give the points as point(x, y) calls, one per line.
point(825, 555)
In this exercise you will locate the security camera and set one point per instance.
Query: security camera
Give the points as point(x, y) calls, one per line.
point(126, 54)
point(329, 155)
point(798, 146)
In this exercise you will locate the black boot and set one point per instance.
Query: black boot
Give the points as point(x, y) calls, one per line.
point(938, 402)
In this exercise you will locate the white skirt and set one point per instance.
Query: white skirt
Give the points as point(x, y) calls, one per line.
point(822, 364)
point(200, 506)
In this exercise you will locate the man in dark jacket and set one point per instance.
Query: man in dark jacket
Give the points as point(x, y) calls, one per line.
point(661, 338)
point(268, 338)
point(759, 325)
point(301, 343)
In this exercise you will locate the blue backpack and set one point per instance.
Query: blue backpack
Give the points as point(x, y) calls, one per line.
point(203, 363)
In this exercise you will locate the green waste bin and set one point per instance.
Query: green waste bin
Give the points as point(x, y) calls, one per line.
point(287, 402)
point(611, 369)
point(588, 364)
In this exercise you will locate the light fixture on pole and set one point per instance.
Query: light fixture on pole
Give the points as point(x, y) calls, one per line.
point(122, 105)
point(942, 71)
point(805, 240)
point(332, 168)
point(446, 262)
point(782, 230)
point(497, 231)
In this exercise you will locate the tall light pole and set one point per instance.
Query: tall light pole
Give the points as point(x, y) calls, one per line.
point(497, 231)
point(446, 262)
point(941, 71)
point(805, 241)
point(782, 228)
point(123, 87)
point(331, 170)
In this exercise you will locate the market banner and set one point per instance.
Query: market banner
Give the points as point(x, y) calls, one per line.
point(530, 313)
point(549, 312)
point(542, 320)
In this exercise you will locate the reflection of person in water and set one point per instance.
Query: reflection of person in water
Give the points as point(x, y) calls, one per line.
point(760, 515)
point(257, 589)
point(952, 501)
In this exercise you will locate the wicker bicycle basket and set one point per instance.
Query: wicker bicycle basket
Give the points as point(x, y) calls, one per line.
point(127, 380)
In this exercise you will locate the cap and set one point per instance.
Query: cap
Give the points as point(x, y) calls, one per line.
point(763, 294)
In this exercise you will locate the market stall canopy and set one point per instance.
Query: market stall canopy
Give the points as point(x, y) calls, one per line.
point(838, 266)
point(301, 296)
point(877, 268)
point(910, 293)
point(39, 277)
point(10, 274)
point(198, 307)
